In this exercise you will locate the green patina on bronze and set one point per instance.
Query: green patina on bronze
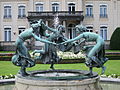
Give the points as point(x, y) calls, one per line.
point(22, 57)
point(95, 54)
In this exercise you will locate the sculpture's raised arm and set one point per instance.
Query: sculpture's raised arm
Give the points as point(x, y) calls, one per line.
point(42, 28)
point(22, 57)
point(42, 40)
point(47, 28)
point(79, 29)
point(94, 54)
point(74, 39)
point(37, 24)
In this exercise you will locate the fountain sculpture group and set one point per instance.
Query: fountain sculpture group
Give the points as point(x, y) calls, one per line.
point(56, 41)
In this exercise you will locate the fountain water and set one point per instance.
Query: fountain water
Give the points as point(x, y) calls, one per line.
point(56, 21)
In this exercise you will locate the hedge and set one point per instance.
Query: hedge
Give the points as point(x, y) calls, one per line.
point(115, 40)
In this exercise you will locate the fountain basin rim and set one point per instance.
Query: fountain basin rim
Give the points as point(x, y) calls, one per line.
point(67, 75)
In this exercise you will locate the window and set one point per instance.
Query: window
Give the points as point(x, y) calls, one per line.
point(103, 11)
point(71, 8)
point(39, 7)
point(55, 7)
point(21, 29)
point(7, 12)
point(7, 34)
point(89, 29)
point(21, 11)
point(71, 31)
point(103, 32)
point(89, 10)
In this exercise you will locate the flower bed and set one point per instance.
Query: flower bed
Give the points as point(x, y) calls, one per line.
point(67, 57)
point(7, 76)
point(6, 56)
point(111, 76)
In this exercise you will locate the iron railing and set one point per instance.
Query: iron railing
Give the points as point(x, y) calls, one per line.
point(59, 13)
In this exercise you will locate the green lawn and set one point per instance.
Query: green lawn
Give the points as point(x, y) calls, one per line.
point(7, 51)
point(113, 67)
point(112, 50)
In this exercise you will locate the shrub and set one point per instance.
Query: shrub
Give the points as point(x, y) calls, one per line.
point(115, 40)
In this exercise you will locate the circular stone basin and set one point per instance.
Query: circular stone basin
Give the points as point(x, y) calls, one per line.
point(61, 75)
point(58, 80)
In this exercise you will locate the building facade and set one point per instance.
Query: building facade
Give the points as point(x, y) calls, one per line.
point(100, 16)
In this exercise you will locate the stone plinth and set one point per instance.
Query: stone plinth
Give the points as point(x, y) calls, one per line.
point(34, 83)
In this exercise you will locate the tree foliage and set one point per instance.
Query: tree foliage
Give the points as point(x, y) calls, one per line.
point(115, 39)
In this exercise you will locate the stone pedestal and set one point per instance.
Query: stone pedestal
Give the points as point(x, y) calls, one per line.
point(28, 83)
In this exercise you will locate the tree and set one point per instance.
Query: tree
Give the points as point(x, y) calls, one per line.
point(115, 39)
